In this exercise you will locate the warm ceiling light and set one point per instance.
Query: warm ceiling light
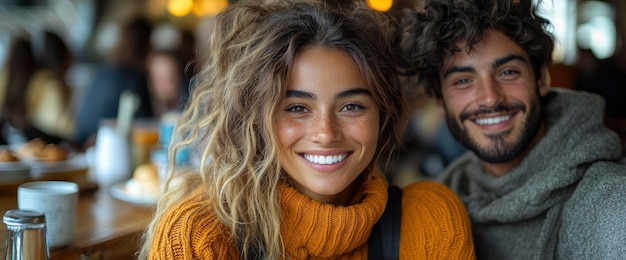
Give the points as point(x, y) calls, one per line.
point(209, 7)
point(380, 5)
point(179, 8)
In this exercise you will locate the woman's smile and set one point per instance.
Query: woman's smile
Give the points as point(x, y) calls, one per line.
point(325, 159)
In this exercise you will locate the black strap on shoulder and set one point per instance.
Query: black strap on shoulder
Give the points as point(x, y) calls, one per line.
point(384, 243)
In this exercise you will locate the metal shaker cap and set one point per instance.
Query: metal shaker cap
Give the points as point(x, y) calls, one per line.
point(19, 217)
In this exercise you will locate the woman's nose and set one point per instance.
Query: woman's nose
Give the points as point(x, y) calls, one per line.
point(325, 129)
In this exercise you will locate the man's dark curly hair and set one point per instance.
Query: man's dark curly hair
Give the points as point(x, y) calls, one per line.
point(432, 34)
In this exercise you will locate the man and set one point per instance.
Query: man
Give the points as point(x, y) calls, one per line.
point(542, 179)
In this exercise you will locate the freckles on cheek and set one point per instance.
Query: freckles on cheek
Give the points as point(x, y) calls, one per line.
point(288, 130)
point(366, 129)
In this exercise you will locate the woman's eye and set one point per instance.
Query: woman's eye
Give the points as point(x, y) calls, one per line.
point(352, 107)
point(297, 109)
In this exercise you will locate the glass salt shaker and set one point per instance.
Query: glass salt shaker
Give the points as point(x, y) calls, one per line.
point(26, 235)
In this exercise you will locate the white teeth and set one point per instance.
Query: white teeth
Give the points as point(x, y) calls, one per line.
point(320, 159)
point(492, 120)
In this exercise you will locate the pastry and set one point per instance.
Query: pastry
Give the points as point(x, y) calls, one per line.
point(145, 181)
point(37, 149)
point(53, 153)
point(7, 156)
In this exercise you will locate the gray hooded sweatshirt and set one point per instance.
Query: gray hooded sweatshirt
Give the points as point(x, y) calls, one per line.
point(567, 198)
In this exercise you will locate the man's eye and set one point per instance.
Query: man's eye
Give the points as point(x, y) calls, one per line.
point(461, 82)
point(509, 72)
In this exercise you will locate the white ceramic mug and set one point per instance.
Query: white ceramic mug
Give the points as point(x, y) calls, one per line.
point(58, 201)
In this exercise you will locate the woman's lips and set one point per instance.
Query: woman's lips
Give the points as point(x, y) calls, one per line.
point(325, 159)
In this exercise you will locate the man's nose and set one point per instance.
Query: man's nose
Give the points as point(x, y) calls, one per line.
point(488, 92)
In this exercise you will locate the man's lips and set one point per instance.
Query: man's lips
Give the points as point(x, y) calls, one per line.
point(495, 115)
point(494, 123)
point(492, 120)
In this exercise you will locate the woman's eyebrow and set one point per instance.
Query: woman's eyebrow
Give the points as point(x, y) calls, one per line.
point(353, 92)
point(342, 94)
point(300, 94)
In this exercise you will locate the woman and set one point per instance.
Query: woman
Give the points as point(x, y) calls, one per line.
point(293, 111)
point(50, 97)
point(35, 102)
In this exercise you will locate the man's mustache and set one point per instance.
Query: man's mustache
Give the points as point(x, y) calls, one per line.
point(484, 110)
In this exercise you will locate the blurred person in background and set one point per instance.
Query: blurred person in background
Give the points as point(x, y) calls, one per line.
point(37, 99)
point(50, 96)
point(167, 83)
point(126, 70)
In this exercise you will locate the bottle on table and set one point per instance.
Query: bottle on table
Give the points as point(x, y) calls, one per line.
point(26, 235)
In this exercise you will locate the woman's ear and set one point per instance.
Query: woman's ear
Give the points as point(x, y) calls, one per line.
point(544, 81)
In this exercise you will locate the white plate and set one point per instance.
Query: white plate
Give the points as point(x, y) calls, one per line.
point(76, 162)
point(118, 191)
point(14, 171)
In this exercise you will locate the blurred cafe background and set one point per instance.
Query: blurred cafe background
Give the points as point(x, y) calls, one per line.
point(151, 47)
point(90, 91)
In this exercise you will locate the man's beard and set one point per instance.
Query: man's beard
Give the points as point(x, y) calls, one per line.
point(498, 150)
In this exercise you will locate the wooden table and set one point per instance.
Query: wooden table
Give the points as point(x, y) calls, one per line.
point(106, 228)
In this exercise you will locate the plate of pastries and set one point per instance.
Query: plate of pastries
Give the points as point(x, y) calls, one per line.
point(46, 158)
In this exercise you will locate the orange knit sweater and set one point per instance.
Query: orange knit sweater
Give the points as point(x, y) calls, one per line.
point(434, 226)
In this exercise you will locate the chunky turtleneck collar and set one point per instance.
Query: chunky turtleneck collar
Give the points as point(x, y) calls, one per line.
point(312, 229)
point(437, 226)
